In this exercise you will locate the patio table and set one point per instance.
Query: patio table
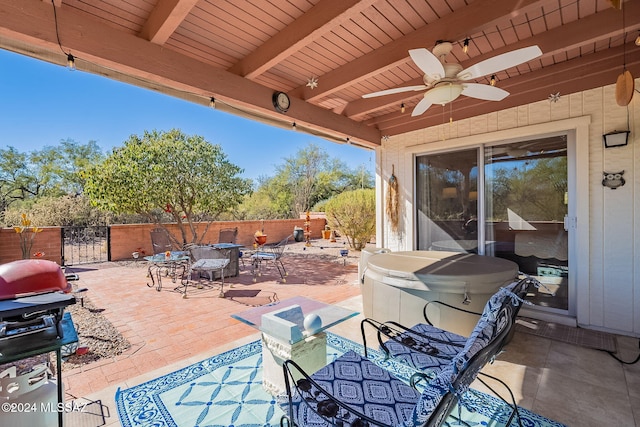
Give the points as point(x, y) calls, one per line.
point(161, 265)
point(291, 330)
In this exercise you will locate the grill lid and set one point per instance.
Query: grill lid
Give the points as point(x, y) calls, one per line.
point(31, 277)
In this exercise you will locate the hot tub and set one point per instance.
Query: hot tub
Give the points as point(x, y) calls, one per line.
point(397, 285)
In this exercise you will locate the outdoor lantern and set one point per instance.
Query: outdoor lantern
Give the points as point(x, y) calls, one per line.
point(616, 138)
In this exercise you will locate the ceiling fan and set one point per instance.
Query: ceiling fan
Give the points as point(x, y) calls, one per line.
point(447, 81)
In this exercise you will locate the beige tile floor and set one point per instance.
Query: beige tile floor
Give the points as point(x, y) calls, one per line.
point(573, 385)
point(570, 384)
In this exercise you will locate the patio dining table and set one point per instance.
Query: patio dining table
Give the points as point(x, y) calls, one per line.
point(174, 265)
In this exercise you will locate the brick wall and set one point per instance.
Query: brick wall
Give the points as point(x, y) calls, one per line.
point(47, 241)
point(129, 238)
point(126, 239)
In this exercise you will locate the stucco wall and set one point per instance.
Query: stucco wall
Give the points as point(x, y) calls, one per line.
point(608, 221)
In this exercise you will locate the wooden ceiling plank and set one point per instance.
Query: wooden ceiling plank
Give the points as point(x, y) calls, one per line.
point(309, 27)
point(440, 7)
point(165, 18)
point(369, 32)
point(116, 53)
point(409, 14)
point(552, 17)
point(217, 22)
point(423, 10)
point(536, 23)
point(200, 29)
point(454, 26)
point(178, 43)
point(355, 39)
point(552, 42)
point(114, 16)
point(338, 49)
point(382, 24)
point(394, 17)
point(200, 41)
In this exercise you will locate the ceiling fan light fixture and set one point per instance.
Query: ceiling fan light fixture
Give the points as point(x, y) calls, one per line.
point(493, 80)
point(638, 40)
point(444, 93)
point(465, 45)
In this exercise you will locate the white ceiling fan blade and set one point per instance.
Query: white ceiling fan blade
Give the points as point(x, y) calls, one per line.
point(500, 62)
point(395, 90)
point(428, 63)
point(486, 92)
point(421, 107)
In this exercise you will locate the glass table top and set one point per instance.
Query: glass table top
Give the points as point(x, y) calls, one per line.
point(175, 256)
point(331, 315)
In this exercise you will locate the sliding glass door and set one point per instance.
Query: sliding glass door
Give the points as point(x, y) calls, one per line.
point(508, 201)
point(526, 199)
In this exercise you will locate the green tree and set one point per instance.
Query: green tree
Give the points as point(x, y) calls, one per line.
point(168, 173)
point(14, 178)
point(66, 210)
point(301, 182)
point(50, 172)
point(351, 214)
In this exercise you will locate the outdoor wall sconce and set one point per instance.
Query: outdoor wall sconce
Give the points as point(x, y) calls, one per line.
point(616, 138)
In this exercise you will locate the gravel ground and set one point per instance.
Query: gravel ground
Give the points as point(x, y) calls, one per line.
point(94, 331)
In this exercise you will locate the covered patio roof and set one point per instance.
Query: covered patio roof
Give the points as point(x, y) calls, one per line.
point(239, 52)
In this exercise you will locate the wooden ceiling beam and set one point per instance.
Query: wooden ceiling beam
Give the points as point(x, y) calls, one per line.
point(114, 53)
point(312, 25)
point(575, 34)
point(469, 19)
point(165, 18)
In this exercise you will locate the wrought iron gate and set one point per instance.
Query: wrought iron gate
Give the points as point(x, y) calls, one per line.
point(85, 245)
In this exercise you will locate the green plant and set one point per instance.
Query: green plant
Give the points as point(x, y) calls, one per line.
point(351, 214)
point(27, 233)
point(168, 177)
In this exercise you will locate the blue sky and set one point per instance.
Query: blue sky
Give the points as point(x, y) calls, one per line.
point(42, 104)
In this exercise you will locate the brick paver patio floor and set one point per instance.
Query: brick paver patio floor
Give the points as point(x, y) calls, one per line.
point(164, 328)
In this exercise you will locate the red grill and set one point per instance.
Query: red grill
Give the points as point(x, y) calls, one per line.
point(33, 296)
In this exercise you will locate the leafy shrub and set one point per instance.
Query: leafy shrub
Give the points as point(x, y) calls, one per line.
point(352, 213)
point(58, 211)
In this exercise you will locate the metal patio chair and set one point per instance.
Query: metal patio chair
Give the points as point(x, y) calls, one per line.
point(353, 390)
point(161, 241)
point(270, 254)
point(228, 235)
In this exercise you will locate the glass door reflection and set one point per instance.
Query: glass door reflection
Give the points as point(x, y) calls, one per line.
point(526, 201)
point(447, 201)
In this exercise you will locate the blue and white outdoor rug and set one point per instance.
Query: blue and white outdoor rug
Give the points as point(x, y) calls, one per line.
point(226, 391)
